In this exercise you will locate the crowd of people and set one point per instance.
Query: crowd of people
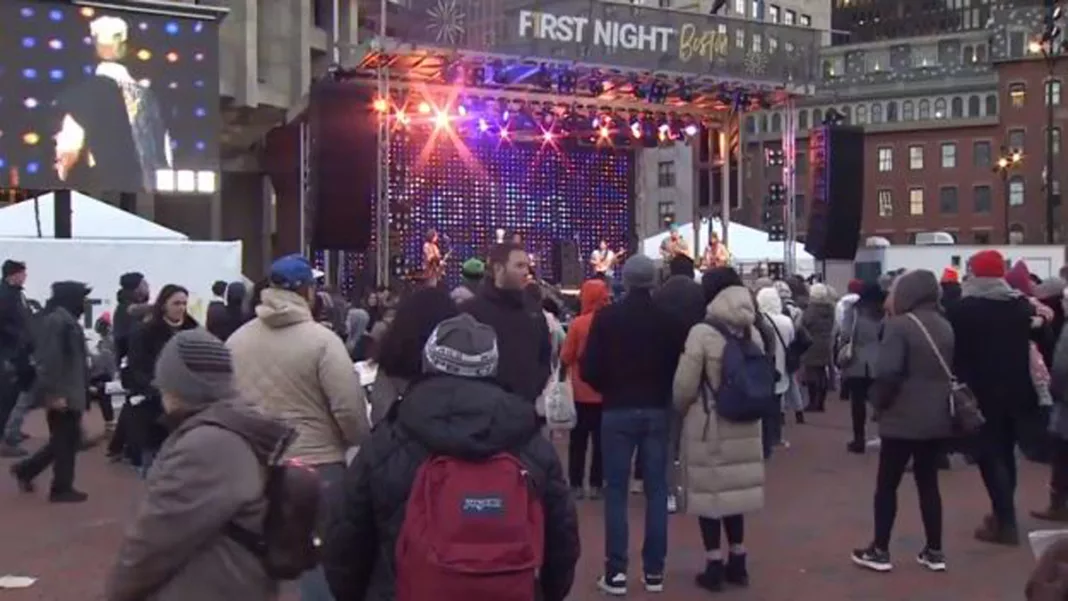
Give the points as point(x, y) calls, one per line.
point(400, 446)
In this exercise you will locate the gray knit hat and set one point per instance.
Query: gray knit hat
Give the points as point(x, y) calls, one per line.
point(461, 346)
point(196, 367)
point(639, 272)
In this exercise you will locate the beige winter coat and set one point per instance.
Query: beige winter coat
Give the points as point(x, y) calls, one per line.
point(722, 462)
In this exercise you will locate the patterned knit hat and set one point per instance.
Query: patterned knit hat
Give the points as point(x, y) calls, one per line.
point(196, 367)
point(461, 346)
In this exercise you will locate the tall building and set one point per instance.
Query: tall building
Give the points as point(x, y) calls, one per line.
point(861, 21)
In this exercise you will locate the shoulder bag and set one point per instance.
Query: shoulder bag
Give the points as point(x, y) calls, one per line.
point(963, 406)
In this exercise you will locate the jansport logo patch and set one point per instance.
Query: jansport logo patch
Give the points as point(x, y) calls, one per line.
point(482, 505)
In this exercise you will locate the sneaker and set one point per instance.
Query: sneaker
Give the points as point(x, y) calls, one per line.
point(68, 496)
point(595, 493)
point(578, 493)
point(673, 504)
point(613, 584)
point(932, 560)
point(25, 484)
point(712, 578)
point(873, 559)
point(856, 447)
point(799, 417)
point(654, 583)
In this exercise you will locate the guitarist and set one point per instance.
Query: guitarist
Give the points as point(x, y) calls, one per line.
point(603, 261)
point(433, 259)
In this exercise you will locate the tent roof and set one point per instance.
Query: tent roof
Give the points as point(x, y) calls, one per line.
point(90, 218)
point(747, 244)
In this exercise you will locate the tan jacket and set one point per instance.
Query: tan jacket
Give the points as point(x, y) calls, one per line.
point(722, 461)
point(301, 374)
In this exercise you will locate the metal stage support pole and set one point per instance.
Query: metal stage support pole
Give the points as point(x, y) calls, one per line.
point(789, 180)
point(305, 184)
point(725, 182)
point(382, 208)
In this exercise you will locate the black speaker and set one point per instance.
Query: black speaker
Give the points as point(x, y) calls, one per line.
point(567, 268)
point(836, 163)
point(344, 164)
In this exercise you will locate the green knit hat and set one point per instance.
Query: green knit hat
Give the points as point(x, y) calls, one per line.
point(473, 268)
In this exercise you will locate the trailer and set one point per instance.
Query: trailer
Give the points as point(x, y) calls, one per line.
point(1043, 261)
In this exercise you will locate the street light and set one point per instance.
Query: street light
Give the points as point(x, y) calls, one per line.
point(1009, 160)
point(1051, 45)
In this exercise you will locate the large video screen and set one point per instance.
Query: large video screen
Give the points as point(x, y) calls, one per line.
point(99, 99)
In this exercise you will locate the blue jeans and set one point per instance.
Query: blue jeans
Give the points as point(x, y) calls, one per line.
point(623, 431)
point(13, 428)
point(312, 584)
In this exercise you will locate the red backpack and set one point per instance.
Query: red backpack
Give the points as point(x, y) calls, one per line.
point(472, 530)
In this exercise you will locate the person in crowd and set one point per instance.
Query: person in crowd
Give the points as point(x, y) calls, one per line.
point(550, 311)
point(911, 391)
point(799, 290)
point(594, 295)
point(1000, 376)
point(845, 304)
point(629, 360)
point(255, 298)
point(818, 321)
point(723, 461)
point(860, 329)
point(224, 320)
point(356, 332)
point(1032, 428)
point(216, 312)
point(209, 474)
point(522, 332)
point(456, 410)
point(400, 351)
point(62, 382)
point(16, 348)
point(769, 306)
point(1051, 294)
point(131, 310)
point(951, 289)
point(169, 316)
point(102, 369)
point(790, 307)
point(472, 272)
point(299, 371)
point(1057, 508)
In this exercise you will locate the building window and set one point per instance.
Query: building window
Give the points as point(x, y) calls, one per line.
point(757, 43)
point(925, 110)
point(806, 21)
point(925, 56)
point(750, 124)
point(1017, 95)
point(886, 203)
point(862, 114)
point(802, 119)
point(1055, 143)
point(947, 200)
point(886, 159)
point(891, 111)
point(776, 122)
point(739, 39)
point(1016, 139)
point(915, 157)
point(991, 105)
point(834, 66)
point(973, 106)
point(789, 17)
point(915, 201)
point(876, 112)
point(1053, 92)
point(665, 211)
point(665, 174)
point(739, 7)
point(981, 237)
point(981, 199)
point(949, 155)
point(801, 161)
point(877, 60)
point(907, 111)
point(940, 108)
point(773, 45)
point(981, 154)
point(847, 114)
point(799, 206)
point(1016, 191)
point(956, 107)
point(758, 10)
point(773, 13)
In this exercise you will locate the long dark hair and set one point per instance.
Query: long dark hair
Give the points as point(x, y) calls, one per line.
point(400, 352)
point(165, 294)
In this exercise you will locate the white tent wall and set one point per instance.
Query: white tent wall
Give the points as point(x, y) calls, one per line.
point(749, 246)
point(90, 219)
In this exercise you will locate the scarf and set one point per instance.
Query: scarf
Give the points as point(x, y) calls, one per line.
point(991, 288)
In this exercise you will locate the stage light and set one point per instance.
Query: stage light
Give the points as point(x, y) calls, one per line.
point(200, 112)
point(595, 122)
point(144, 55)
point(29, 73)
point(462, 110)
point(31, 139)
point(690, 130)
point(441, 120)
point(55, 74)
point(28, 42)
point(505, 116)
point(381, 105)
point(504, 133)
point(605, 132)
point(30, 103)
point(402, 118)
point(55, 15)
point(33, 167)
point(547, 136)
point(55, 44)
point(483, 126)
point(171, 28)
point(636, 130)
point(198, 57)
point(87, 12)
point(198, 27)
point(424, 108)
point(172, 57)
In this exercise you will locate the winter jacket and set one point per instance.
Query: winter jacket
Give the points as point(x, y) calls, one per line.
point(300, 373)
point(593, 296)
point(818, 321)
point(910, 390)
point(207, 475)
point(61, 359)
point(861, 326)
point(16, 340)
point(442, 415)
point(1059, 385)
point(385, 392)
point(722, 461)
point(523, 339)
point(128, 316)
point(223, 318)
point(684, 301)
point(146, 343)
point(769, 303)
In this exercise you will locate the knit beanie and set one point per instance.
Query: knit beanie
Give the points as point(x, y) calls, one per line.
point(987, 264)
point(1019, 278)
point(950, 276)
point(196, 367)
point(855, 286)
point(131, 280)
point(461, 346)
point(473, 269)
point(639, 272)
point(12, 267)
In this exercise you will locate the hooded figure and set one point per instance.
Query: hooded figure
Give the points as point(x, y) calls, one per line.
point(818, 322)
point(228, 316)
point(681, 297)
point(356, 328)
point(769, 303)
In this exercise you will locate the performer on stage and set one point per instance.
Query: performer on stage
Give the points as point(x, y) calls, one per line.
point(603, 260)
point(433, 260)
point(716, 253)
point(673, 245)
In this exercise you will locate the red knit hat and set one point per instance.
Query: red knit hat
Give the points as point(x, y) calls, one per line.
point(855, 286)
point(987, 264)
point(950, 276)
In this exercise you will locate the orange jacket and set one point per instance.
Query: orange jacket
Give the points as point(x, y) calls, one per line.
point(592, 296)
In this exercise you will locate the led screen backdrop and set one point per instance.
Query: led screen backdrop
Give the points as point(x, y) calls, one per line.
point(107, 100)
point(467, 189)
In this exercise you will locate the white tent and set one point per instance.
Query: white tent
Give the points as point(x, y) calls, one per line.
point(747, 244)
point(90, 218)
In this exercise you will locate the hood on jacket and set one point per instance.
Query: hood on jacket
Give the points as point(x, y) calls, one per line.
point(267, 437)
point(593, 295)
point(768, 301)
point(69, 296)
point(282, 308)
point(717, 279)
point(914, 289)
point(235, 294)
point(465, 418)
point(784, 290)
point(733, 306)
point(1019, 277)
point(1051, 288)
point(356, 323)
point(819, 293)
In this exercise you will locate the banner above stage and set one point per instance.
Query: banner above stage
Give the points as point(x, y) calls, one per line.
point(611, 35)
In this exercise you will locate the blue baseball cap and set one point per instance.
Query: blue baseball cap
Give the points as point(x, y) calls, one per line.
point(292, 272)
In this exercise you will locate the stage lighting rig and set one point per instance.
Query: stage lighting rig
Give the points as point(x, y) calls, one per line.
point(776, 232)
point(658, 91)
point(596, 83)
point(498, 72)
point(566, 81)
point(685, 90)
point(774, 157)
point(543, 78)
point(776, 195)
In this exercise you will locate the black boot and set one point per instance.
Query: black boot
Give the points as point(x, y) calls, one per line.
point(736, 572)
point(799, 417)
point(712, 578)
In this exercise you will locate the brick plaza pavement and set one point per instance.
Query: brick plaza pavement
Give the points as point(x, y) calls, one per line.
point(819, 508)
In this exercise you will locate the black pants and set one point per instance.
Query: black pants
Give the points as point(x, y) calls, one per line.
point(104, 401)
point(638, 471)
point(711, 528)
point(587, 427)
point(857, 390)
point(122, 441)
point(1058, 475)
point(9, 392)
point(995, 450)
point(64, 437)
point(894, 456)
point(817, 382)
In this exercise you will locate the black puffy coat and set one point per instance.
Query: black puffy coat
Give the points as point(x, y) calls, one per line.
point(146, 343)
point(443, 415)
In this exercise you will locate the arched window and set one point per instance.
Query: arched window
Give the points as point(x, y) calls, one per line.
point(802, 119)
point(817, 117)
point(974, 106)
point(907, 111)
point(764, 122)
point(750, 124)
point(1017, 233)
point(940, 109)
point(876, 112)
point(925, 110)
point(776, 122)
point(1016, 191)
point(891, 111)
point(862, 114)
point(966, 54)
point(956, 107)
point(848, 114)
point(991, 105)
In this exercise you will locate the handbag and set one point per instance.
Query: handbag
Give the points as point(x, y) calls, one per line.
point(560, 411)
point(845, 353)
point(963, 406)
